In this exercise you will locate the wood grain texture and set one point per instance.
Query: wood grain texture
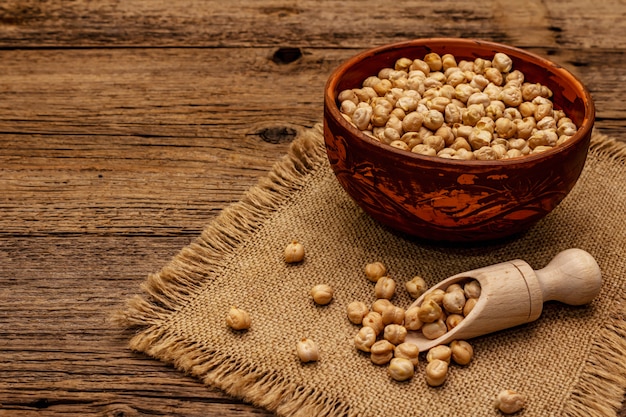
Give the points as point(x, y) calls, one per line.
point(126, 126)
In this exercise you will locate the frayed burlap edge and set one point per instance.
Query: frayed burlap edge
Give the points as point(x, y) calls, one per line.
point(202, 261)
point(602, 384)
point(598, 393)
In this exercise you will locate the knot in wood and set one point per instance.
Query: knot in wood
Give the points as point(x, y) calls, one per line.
point(286, 55)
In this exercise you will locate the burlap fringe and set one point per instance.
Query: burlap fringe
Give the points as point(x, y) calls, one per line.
point(166, 291)
point(598, 393)
point(607, 147)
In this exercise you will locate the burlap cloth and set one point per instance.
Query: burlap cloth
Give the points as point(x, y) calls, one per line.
point(570, 362)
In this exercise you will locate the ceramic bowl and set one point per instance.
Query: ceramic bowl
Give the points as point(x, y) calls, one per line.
point(452, 200)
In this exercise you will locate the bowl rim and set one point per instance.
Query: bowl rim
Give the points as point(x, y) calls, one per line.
point(583, 131)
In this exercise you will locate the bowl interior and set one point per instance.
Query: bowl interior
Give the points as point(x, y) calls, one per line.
point(569, 94)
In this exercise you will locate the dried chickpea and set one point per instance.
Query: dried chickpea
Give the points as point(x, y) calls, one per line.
point(441, 352)
point(362, 117)
point(453, 320)
point(381, 352)
point(403, 64)
point(433, 120)
point(385, 288)
point(374, 320)
point(322, 294)
point(462, 352)
point(494, 76)
point(393, 315)
point(238, 319)
point(436, 295)
point(395, 333)
point(412, 122)
point(502, 62)
point(509, 401)
point(294, 252)
point(472, 289)
point(399, 144)
point(461, 142)
point(436, 373)
point(470, 303)
point(347, 107)
point(401, 369)
point(505, 128)
point(429, 311)
point(423, 149)
point(381, 304)
point(365, 338)
point(307, 350)
point(408, 351)
point(454, 301)
point(421, 65)
point(416, 286)
point(435, 329)
point(411, 318)
point(375, 270)
point(433, 93)
point(356, 311)
point(348, 95)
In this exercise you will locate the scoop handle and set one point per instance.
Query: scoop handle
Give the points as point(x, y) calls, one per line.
point(572, 277)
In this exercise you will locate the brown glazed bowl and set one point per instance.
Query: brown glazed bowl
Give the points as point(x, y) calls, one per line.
point(452, 200)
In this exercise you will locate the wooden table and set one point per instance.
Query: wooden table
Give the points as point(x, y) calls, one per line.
point(127, 125)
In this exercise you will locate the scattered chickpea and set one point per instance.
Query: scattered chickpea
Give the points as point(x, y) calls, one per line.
point(381, 304)
point(441, 352)
point(395, 333)
point(385, 288)
point(375, 270)
point(436, 372)
point(381, 352)
point(401, 369)
point(356, 311)
point(238, 319)
point(307, 350)
point(375, 321)
point(411, 318)
point(408, 351)
point(462, 352)
point(393, 315)
point(509, 401)
point(322, 294)
point(294, 252)
point(365, 338)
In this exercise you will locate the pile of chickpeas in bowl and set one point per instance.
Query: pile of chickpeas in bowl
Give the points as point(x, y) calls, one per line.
point(470, 110)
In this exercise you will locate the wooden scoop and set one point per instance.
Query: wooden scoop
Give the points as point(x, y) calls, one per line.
point(512, 293)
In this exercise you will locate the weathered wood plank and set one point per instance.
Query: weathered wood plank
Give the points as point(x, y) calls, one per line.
point(207, 94)
point(60, 353)
point(309, 23)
